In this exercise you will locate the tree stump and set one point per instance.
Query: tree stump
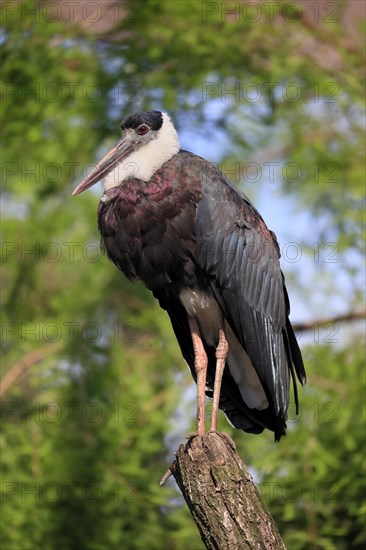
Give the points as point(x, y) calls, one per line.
point(221, 495)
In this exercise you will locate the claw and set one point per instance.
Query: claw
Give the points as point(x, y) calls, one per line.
point(191, 435)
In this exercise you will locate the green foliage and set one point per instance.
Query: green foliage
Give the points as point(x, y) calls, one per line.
point(49, 75)
point(313, 480)
point(83, 441)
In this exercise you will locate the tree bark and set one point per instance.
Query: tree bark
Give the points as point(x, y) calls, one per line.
point(222, 497)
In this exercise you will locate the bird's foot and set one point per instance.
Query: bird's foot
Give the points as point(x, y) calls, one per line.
point(228, 439)
point(226, 436)
point(192, 435)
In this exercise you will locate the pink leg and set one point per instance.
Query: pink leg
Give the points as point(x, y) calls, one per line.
point(200, 365)
point(221, 354)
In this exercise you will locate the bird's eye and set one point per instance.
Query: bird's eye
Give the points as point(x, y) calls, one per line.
point(142, 130)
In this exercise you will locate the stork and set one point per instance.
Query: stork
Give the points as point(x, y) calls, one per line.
point(172, 220)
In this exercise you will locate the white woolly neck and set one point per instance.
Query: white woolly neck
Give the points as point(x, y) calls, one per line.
point(144, 162)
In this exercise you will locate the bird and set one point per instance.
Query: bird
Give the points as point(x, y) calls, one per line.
point(172, 220)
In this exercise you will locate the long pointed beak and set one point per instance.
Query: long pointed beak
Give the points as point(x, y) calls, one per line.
point(106, 165)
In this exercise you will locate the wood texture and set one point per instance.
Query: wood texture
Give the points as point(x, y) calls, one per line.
point(222, 497)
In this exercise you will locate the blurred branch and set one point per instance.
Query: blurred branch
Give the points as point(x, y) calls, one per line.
point(30, 359)
point(351, 316)
point(350, 43)
point(220, 493)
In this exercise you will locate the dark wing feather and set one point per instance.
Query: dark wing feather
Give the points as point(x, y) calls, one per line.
point(241, 255)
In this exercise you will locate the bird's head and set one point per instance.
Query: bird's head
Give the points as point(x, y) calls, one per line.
point(148, 140)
